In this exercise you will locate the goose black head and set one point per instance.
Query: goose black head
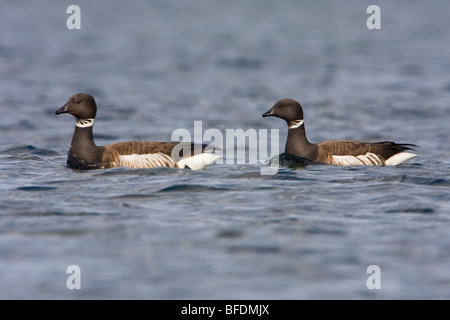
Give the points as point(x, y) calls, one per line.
point(289, 110)
point(80, 105)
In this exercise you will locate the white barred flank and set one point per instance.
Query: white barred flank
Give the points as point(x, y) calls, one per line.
point(371, 159)
point(154, 160)
point(85, 123)
point(295, 124)
point(149, 160)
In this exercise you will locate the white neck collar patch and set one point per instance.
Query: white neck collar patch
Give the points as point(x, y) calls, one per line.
point(295, 124)
point(85, 123)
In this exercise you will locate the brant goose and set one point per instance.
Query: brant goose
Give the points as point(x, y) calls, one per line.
point(336, 152)
point(84, 154)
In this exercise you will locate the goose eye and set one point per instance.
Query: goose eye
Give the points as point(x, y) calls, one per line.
point(283, 105)
point(77, 101)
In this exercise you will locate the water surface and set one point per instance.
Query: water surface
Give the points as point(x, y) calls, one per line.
point(227, 232)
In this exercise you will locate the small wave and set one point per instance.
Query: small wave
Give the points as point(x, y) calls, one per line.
point(192, 188)
point(28, 150)
point(18, 149)
point(45, 212)
point(288, 175)
point(122, 171)
point(425, 210)
point(426, 181)
point(255, 249)
point(401, 178)
point(36, 188)
point(134, 196)
point(230, 233)
point(241, 63)
point(374, 178)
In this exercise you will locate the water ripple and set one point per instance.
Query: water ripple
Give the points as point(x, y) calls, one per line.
point(36, 188)
point(193, 188)
point(28, 149)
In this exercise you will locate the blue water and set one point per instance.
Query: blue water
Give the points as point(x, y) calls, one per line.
point(227, 232)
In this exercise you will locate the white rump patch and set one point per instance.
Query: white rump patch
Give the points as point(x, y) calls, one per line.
point(295, 124)
point(369, 159)
point(149, 160)
point(400, 158)
point(198, 161)
point(85, 123)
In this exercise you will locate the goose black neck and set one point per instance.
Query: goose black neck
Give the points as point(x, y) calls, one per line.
point(298, 145)
point(83, 153)
point(82, 138)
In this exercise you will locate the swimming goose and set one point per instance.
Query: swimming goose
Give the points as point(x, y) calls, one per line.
point(84, 154)
point(335, 152)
